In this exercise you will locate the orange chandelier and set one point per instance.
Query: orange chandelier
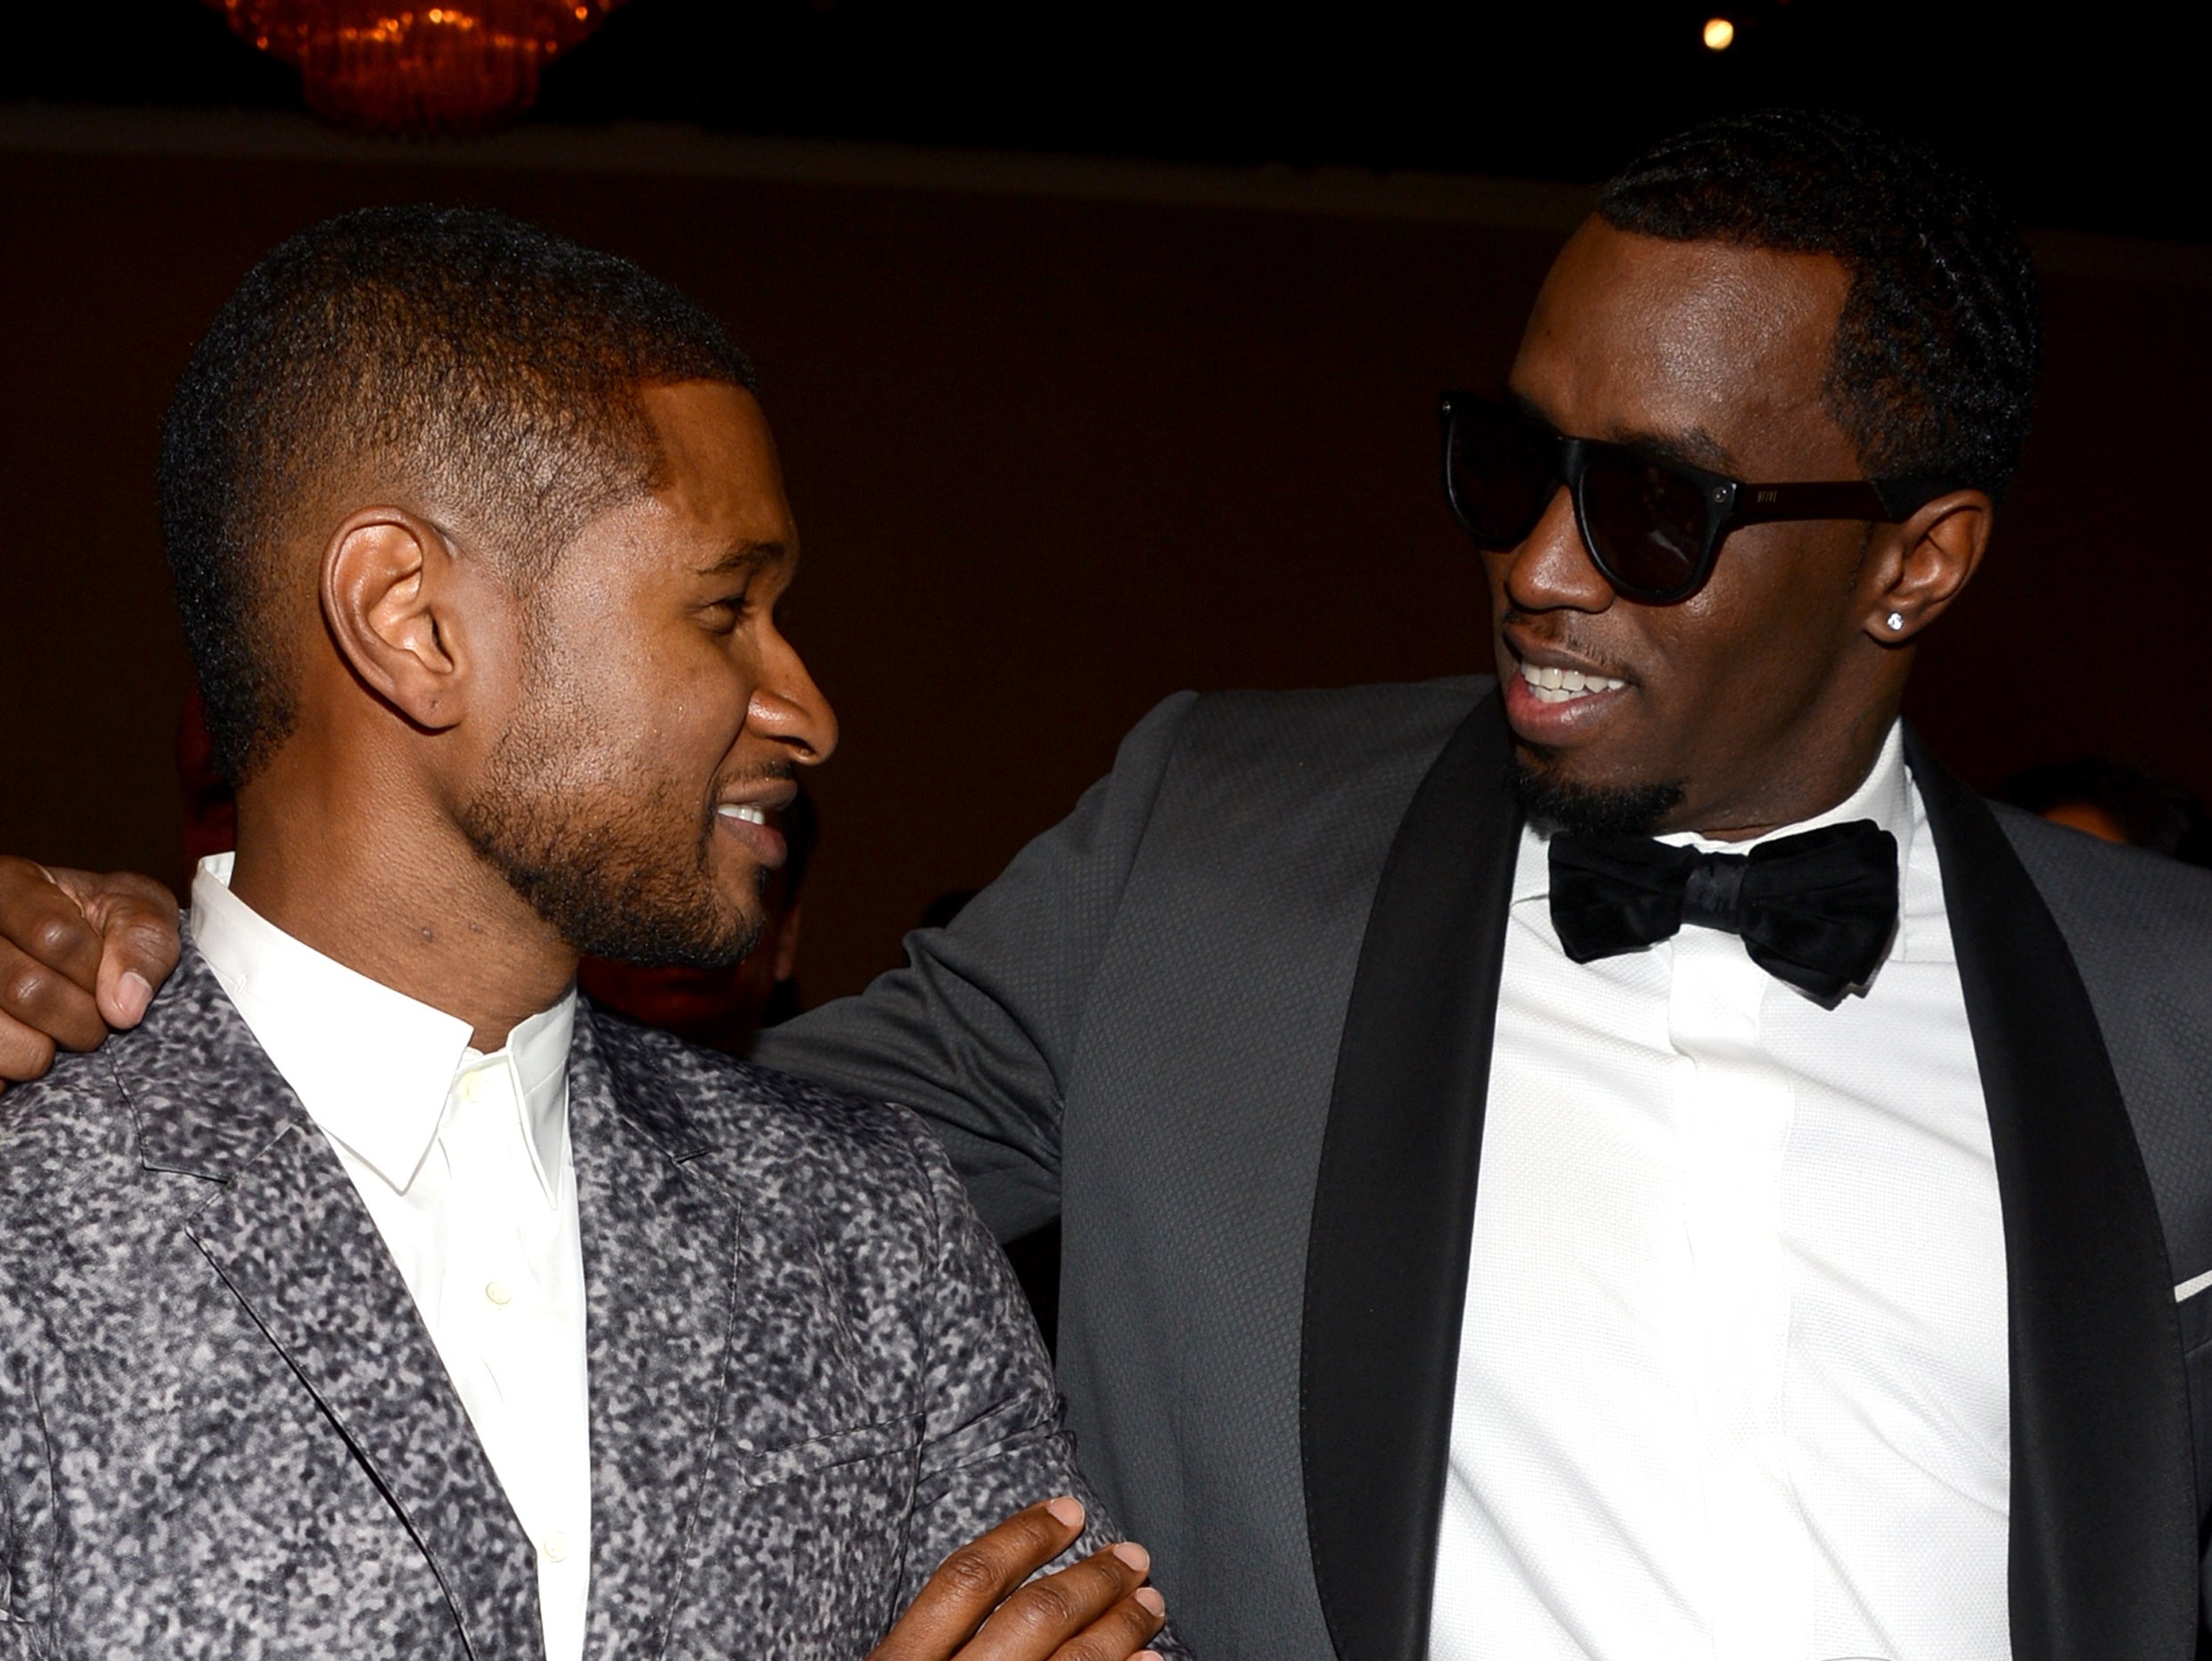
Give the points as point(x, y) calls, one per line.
point(398, 66)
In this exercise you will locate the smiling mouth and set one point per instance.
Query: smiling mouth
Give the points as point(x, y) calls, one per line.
point(1562, 686)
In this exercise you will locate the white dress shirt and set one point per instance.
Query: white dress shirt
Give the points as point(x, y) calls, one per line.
point(462, 1161)
point(1732, 1380)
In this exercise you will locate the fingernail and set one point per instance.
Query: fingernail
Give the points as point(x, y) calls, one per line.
point(133, 993)
point(1067, 1509)
point(1151, 1600)
point(1134, 1555)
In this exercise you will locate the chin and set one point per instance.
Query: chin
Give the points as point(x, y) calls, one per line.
point(1552, 798)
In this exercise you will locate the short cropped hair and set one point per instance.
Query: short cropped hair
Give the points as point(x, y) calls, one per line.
point(486, 365)
point(1934, 368)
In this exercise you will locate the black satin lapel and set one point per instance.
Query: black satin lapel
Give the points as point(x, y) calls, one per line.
point(293, 1240)
point(1386, 1266)
point(658, 1290)
point(2103, 1532)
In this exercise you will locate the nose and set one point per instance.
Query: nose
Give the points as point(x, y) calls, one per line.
point(788, 706)
point(1552, 570)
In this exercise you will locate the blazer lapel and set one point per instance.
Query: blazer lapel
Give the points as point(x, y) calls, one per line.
point(290, 1237)
point(661, 1289)
point(2103, 1531)
point(1386, 1268)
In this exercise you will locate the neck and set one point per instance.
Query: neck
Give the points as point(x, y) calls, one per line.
point(376, 879)
point(1819, 780)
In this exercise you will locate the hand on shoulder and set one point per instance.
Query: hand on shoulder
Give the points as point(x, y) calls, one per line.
point(80, 954)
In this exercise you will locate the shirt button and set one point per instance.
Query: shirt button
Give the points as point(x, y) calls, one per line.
point(556, 1546)
point(470, 1089)
point(497, 1290)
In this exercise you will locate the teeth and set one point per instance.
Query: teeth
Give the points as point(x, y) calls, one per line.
point(739, 810)
point(1557, 686)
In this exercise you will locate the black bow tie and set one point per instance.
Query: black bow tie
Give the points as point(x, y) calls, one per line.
point(1816, 910)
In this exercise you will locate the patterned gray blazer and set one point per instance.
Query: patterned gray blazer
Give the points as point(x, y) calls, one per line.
point(224, 1430)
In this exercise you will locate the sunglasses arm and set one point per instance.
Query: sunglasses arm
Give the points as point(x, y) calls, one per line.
point(1856, 499)
point(1887, 501)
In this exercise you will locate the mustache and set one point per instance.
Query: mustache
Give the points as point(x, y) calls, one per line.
point(781, 771)
point(1551, 630)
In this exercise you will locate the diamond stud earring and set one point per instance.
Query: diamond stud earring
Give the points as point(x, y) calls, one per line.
point(1897, 620)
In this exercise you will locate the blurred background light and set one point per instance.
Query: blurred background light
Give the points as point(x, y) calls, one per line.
point(375, 67)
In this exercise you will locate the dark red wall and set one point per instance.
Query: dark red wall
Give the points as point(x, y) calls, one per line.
point(1055, 455)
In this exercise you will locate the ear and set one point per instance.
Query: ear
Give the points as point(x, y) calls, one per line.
point(1926, 562)
point(384, 593)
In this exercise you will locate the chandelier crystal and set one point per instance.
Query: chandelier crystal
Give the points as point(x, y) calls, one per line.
point(376, 67)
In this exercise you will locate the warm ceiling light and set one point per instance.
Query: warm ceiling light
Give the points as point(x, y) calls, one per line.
point(381, 66)
point(1720, 34)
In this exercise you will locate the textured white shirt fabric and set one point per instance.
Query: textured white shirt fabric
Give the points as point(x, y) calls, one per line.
point(1732, 1380)
point(462, 1161)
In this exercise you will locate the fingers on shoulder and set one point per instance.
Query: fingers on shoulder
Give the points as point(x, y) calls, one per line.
point(141, 937)
point(44, 921)
point(46, 1004)
point(25, 1054)
point(134, 915)
point(122, 899)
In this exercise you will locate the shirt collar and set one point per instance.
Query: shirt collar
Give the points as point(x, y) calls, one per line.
point(1885, 795)
point(538, 1051)
point(373, 1067)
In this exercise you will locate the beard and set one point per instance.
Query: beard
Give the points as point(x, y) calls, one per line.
point(620, 867)
point(1553, 804)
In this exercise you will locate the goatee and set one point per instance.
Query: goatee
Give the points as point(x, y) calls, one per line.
point(1552, 804)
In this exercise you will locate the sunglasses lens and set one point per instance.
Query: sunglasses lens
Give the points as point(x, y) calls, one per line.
point(1498, 469)
point(1648, 525)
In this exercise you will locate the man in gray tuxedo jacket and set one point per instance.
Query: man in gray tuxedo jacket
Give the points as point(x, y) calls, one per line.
point(1933, 1223)
point(1248, 1023)
point(377, 1297)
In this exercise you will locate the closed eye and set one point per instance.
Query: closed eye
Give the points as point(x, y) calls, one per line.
point(722, 617)
point(748, 565)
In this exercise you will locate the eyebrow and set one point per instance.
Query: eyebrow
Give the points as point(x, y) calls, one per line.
point(745, 556)
point(1693, 446)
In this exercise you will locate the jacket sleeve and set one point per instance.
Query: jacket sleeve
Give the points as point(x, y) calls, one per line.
point(975, 1034)
point(992, 1439)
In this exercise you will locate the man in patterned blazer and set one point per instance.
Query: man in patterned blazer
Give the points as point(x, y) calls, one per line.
point(379, 1296)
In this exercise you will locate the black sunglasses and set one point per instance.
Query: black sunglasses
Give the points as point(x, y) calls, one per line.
point(1653, 528)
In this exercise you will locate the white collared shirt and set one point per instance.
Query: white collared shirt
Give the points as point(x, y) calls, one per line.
point(462, 1161)
point(1732, 1380)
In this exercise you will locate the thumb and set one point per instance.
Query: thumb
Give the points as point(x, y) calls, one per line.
point(140, 938)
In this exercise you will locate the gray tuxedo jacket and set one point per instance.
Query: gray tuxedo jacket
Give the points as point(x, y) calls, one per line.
point(1233, 1020)
point(225, 1432)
